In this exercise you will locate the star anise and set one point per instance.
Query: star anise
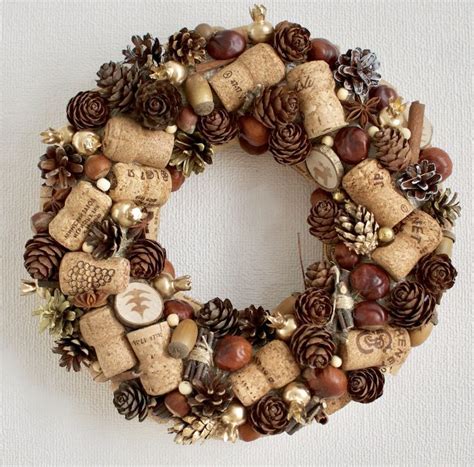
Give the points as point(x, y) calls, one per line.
point(56, 202)
point(363, 110)
point(141, 229)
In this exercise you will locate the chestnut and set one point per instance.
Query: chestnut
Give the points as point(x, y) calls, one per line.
point(370, 315)
point(327, 383)
point(177, 404)
point(179, 307)
point(370, 280)
point(232, 353)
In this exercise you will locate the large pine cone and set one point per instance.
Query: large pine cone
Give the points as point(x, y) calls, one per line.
point(74, 352)
point(146, 49)
point(436, 273)
point(393, 150)
point(291, 41)
point(157, 104)
point(269, 416)
point(187, 47)
point(105, 238)
point(420, 181)
point(320, 276)
point(276, 106)
point(312, 346)
point(191, 153)
point(444, 207)
point(219, 316)
point(365, 385)
point(322, 220)
point(254, 326)
point(87, 110)
point(61, 166)
point(147, 258)
point(411, 305)
point(289, 144)
point(42, 257)
point(314, 306)
point(218, 127)
point(131, 400)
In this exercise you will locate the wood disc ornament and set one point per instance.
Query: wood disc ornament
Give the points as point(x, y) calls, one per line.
point(113, 302)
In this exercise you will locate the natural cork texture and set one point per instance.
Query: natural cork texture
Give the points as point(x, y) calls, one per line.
point(273, 367)
point(146, 186)
point(101, 330)
point(419, 235)
point(160, 373)
point(370, 185)
point(258, 65)
point(125, 140)
point(321, 109)
point(84, 206)
point(154, 224)
point(79, 272)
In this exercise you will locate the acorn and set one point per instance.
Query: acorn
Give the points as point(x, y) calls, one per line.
point(199, 94)
point(183, 339)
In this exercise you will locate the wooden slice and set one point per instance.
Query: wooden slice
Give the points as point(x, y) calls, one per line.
point(325, 167)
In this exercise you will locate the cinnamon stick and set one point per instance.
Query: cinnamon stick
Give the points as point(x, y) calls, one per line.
point(212, 65)
point(415, 125)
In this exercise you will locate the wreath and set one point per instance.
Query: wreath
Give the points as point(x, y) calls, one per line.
point(113, 302)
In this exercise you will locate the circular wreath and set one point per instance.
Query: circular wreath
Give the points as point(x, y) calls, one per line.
point(113, 302)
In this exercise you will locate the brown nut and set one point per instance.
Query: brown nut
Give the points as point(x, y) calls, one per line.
point(232, 353)
point(179, 307)
point(177, 404)
point(97, 166)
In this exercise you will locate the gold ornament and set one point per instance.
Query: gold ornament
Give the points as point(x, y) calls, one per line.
point(172, 71)
point(126, 213)
point(386, 235)
point(167, 286)
point(61, 136)
point(339, 196)
point(297, 395)
point(234, 416)
point(285, 325)
point(260, 30)
point(86, 142)
point(393, 115)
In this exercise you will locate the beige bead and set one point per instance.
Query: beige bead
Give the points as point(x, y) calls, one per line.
point(86, 248)
point(342, 94)
point(372, 130)
point(172, 129)
point(406, 133)
point(173, 320)
point(185, 388)
point(336, 361)
point(328, 141)
point(103, 184)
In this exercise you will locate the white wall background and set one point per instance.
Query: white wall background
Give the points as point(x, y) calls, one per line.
point(234, 229)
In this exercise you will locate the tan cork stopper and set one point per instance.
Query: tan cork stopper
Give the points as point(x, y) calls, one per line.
point(125, 140)
point(80, 272)
point(154, 224)
point(101, 330)
point(146, 186)
point(84, 206)
point(370, 185)
point(160, 373)
point(419, 235)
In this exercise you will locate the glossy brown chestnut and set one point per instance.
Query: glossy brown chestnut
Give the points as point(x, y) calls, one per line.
point(248, 433)
point(254, 132)
point(187, 119)
point(322, 49)
point(177, 404)
point(440, 158)
point(177, 178)
point(97, 166)
point(179, 307)
point(352, 144)
point(318, 195)
point(232, 353)
point(40, 221)
point(369, 315)
point(226, 44)
point(327, 383)
point(345, 257)
point(250, 149)
point(384, 93)
point(370, 281)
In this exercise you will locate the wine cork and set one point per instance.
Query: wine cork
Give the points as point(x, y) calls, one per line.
point(143, 185)
point(370, 185)
point(321, 109)
point(419, 235)
point(101, 330)
point(79, 272)
point(125, 140)
point(84, 206)
point(160, 373)
point(273, 367)
point(154, 224)
point(257, 65)
point(447, 243)
point(387, 347)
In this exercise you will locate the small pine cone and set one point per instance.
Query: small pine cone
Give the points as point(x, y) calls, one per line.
point(254, 326)
point(74, 352)
point(105, 238)
point(365, 385)
point(131, 400)
point(147, 49)
point(436, 273)
point(157, 104)
point(289, 144)
point(220, 317)
point(312, 346)
point(393, 150)
point(420, 181)
point(276, 106)
point(320, 276)
point(88, 300)
point(42, 257)
point(291, 41)
point(444, 207)
point(187, 47)
point(87, 110)
point(269, 415)
point(218, 127)
point(322, 221)
point(190, 429)
point(60, 167)
point(147, 259)
point(411, 305)
point(191, 153)
point(314, 306)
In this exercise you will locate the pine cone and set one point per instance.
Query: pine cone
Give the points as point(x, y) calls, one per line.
point(212, 394)
point(289, 144)
point(254, 326)
point(320, 276)
point(187, 47)
point(269, 415)
point(276, 106)
point(356, 227)
point(322, 221)
point(314, 306)
point(420, 181)
point(147, 259)
point(191, 153)
point(87, 110)
point(312, 346)
point(140, 229)
point(146, 50)
point(61, 166)
point(291, 41)
point(131, 400)
point(74, 352)
point(365, 385)
point(42, 257)
point(88, 300)
point(57, 200)
point(393, 150)
point(444, 207)
point(436, 273)
point(218, 127)
point(191, 429)
point(356, 70)
point(411, 305)
point(157, 104)
point(219, 316)
point(105, 238)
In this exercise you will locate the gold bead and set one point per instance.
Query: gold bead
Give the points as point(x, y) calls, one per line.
point(339, 196)
point(386, 235)
point(86, 142)
point(284, 333)
point(235, 414)
point(177, 73)
point(124, 213)
point(297, 392)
